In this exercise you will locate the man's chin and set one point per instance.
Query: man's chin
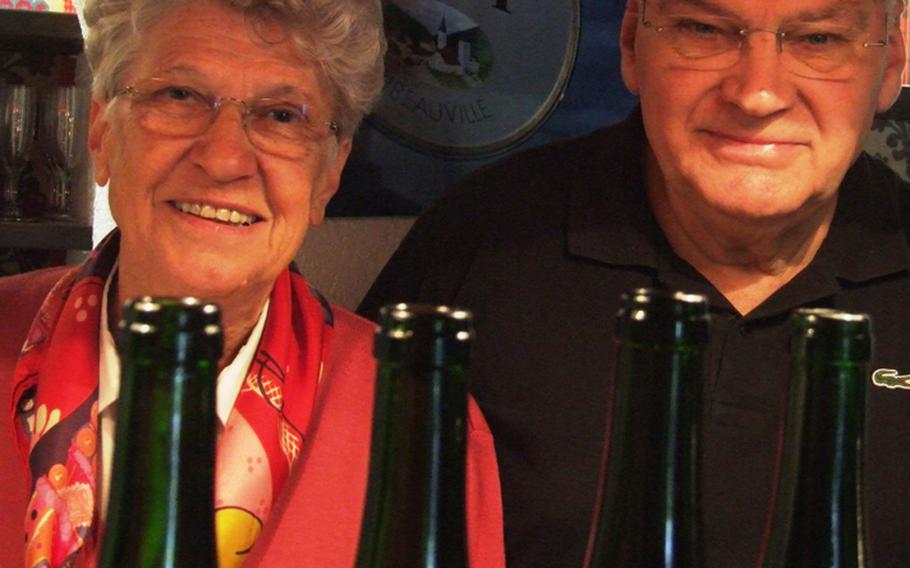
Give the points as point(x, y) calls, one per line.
point(758, 194)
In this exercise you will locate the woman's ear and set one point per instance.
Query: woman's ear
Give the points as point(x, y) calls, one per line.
point(322, 194)
point(98, 127)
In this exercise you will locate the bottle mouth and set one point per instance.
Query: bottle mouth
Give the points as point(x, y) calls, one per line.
point(825, 332)
point(188, 328)
point(433, 335)
point(180, 312)
point(662, 316)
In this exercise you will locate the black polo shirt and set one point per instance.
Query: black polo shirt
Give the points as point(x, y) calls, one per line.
point(540, 247)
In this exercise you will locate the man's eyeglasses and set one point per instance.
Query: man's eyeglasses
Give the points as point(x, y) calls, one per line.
point(274, 126)
point(820, 50)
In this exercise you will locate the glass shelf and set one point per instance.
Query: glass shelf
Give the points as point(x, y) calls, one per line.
point(46, 235)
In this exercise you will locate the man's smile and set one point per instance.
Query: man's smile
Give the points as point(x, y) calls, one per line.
point(759, 151)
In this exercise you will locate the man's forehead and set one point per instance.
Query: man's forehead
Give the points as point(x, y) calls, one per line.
point(810, 8)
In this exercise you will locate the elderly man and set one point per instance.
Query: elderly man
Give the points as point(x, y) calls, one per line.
point(740, 177)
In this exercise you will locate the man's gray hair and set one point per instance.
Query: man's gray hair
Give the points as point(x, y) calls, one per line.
point(344, 38)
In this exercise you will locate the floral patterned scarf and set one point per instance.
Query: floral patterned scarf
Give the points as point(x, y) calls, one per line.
point(55, 414)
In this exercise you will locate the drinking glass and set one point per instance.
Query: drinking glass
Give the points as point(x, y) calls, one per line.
point(63, 127)
point(17, 129)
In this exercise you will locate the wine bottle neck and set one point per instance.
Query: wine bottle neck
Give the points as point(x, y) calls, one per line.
point(162, 486)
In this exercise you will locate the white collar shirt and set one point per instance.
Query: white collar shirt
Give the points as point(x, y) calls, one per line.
point(229, 382)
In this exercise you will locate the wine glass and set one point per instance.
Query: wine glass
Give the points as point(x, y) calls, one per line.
point(63, 128)
point(17, 129)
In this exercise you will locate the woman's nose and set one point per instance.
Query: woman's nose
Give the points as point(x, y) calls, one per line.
point(224, 150)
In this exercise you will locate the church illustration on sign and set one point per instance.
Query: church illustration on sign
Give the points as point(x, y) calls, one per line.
point(439, 47)
point(453, 56)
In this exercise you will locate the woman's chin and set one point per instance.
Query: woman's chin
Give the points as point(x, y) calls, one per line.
point(220, 289)
point(213, 285)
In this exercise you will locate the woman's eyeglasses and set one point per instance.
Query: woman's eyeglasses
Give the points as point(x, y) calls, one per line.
point(275, 126)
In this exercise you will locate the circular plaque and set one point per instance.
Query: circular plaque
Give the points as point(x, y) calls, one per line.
point(472, 78)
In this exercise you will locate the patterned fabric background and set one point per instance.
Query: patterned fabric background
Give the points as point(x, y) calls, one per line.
point(890, 139)
point(65, 6)
point(890, 143)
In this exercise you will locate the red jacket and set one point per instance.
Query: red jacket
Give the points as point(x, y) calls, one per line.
point(316, 523)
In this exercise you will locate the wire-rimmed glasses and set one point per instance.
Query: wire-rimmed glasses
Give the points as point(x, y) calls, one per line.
point(17, 130)
point(275, 126)
point(814, 49)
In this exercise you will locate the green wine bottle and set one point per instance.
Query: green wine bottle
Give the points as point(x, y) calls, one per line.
point(415, 507)
point(647, 508)
point(816, 520)
point(161, 506)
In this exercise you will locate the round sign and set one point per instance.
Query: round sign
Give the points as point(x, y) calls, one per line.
point(473, 77)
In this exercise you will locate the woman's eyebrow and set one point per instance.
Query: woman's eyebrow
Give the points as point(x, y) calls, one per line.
point(288, 90)
point(191, 71)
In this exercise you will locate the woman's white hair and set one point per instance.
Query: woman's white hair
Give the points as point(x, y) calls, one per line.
point(344, 37)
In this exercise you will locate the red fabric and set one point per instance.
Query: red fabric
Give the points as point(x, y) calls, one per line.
point(55, 413)
point(329, 490)
point(326, 491)
point(20, 297)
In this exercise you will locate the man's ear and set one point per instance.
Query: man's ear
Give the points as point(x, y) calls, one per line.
point(98, 127)
point(324, 192)
point(896, 59)
point(627, 36)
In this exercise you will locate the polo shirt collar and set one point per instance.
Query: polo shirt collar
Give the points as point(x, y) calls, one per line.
point(867, 238)
point(610, 218)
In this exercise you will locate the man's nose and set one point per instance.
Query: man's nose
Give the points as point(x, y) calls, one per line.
point(759, 84)
point(224, 150)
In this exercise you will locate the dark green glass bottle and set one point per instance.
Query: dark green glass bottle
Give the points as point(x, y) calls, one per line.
point(415, 507)
point(161, 506)
point(647, 508)
point(817, 516)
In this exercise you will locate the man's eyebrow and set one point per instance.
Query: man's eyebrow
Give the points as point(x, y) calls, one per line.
point(706, 5)
point(847, 12)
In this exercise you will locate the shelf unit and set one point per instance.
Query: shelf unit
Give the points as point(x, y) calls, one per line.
point(45, 33)
point(40, 32)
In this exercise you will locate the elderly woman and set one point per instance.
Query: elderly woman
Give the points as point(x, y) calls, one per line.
point(221, 127)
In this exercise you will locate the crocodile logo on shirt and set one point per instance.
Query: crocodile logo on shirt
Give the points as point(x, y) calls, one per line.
point(889, 379)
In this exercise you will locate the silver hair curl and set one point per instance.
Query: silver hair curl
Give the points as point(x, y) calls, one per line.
point(344, 37)
point(895, 12)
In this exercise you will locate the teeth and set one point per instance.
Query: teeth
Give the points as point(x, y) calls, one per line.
point(209, 212)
